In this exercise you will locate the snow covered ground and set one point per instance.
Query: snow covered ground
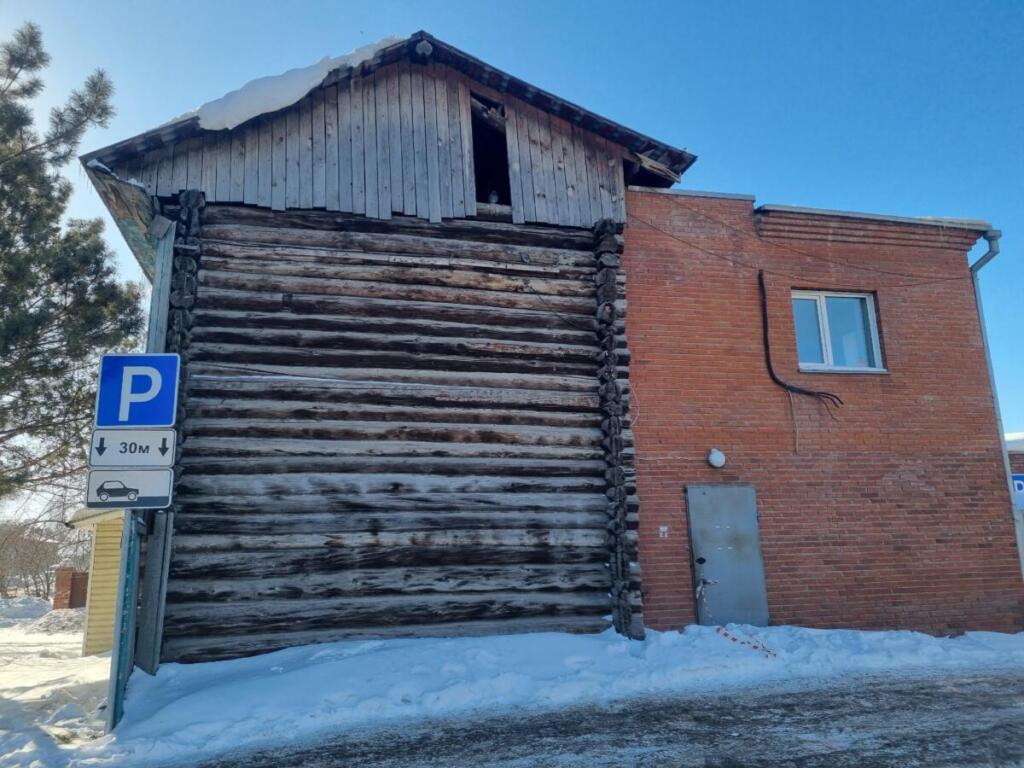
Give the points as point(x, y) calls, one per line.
point(300, 695)
point(49, 693)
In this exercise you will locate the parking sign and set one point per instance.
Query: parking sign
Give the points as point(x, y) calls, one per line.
point(137, 390)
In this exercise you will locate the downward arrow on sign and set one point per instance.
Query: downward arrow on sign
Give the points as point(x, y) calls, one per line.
point(163, 447)
point(100, 447)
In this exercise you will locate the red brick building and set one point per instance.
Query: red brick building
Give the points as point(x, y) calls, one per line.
point(889, 511)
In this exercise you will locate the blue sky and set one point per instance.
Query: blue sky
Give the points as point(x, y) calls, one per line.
point(911, 108)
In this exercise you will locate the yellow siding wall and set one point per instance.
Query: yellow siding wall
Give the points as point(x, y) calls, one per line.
point(103, 572)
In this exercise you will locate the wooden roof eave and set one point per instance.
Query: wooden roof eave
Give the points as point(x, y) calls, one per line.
point(133, 211)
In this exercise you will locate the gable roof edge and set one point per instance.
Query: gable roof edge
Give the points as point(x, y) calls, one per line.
point(422, 47)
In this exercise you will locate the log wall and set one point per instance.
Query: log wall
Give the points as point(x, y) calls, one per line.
point(397, 140)
point(396, 428)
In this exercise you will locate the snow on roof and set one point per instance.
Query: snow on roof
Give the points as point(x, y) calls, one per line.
point(269, 94)
point(1015, 442)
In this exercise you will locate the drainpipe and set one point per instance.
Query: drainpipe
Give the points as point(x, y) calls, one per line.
point(992, 238)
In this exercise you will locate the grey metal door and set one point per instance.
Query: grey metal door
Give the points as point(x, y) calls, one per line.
point(725, 540)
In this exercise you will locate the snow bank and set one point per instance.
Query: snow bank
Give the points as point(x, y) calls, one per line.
point(49, 695)
point(15, 610)
point(63, 621)
point(269, 94)
point(193, 711)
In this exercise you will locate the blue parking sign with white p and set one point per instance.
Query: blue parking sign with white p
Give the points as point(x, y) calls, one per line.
point(137, 390)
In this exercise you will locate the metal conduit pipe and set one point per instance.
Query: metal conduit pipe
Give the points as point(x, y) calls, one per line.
point(992, 238)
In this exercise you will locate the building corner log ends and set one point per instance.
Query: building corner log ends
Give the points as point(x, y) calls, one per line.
point(184, 288)
point(620, 472)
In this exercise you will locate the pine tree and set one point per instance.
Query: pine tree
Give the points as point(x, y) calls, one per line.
point(61, 304)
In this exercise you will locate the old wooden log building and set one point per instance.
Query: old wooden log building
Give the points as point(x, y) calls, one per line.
point(408, 400)
point(400, 310)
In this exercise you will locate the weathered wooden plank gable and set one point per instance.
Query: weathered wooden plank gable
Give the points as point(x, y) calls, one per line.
point(408, 140)
point(251, 173)
point(224, 166)
point(279, 165)
point(318, 127)
point(383, 146)
point(237, 189)
point(370, 167)
point(455, 145)
point(398, 140)
point(179, 172)
point(346, 170)
point(265, 169)
point(332, 196)
point(394, 122)
point(356, 107)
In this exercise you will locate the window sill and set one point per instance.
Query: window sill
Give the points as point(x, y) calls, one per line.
point(836, 369)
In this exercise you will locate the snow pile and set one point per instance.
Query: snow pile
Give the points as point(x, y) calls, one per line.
point(269, 94)
point(57, 622)
point(49, 695)
point(15, 610)
point(188, 712)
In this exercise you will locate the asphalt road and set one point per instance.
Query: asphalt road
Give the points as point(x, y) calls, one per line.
point(965, 720)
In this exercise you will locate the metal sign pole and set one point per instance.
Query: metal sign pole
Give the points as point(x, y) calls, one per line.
point(143, 448)
point(124, 619)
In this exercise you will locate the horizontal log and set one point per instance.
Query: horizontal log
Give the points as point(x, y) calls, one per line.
point(418, 344)
point(207, 648)
point(392, 484)
point(194, 522)
point(345, 451)
point(242, 503)
point(324, 560)
point(559, 333)
point(448, 466)
point(191, 619)
point(395, 377)
point(453, 229)
point(413, 277)
point(286, 355)
point(451, 540)
point(223, 408)
point(321, 286)
point(259, 298)
point(390, 393)
point(451, 579)
point(372, 430)
point(468, 258)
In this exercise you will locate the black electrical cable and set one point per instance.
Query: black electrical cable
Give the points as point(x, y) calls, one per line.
point(826, 397)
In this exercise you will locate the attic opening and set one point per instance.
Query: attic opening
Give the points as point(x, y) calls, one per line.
point(490, 154)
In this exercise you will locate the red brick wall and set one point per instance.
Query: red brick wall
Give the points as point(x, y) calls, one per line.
point(896, 513)
point(70, 588)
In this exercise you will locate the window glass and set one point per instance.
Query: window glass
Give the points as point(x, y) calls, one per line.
point(808, 332)
point(849, 332)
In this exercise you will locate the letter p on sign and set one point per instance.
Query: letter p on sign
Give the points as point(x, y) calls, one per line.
point(129, 396)
point(137, 391)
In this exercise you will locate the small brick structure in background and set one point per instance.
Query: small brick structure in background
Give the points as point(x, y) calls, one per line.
point(70, 588)
point(893, 514)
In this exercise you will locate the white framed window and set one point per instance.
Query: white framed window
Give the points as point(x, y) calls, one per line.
point(836, 332)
